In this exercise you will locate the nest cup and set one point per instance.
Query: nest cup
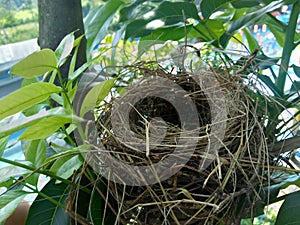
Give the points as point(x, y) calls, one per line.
point(223, 191)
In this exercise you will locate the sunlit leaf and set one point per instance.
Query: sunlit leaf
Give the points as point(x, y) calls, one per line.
point(44, 128)
point(97, 22)
point(65, 166)
point(23, 122)
point(26, 97)
point(249, 19)
point(12, 171)
point(96, 95)
point(208, 7)
point(9, 202)
point(167, 14)
point(35, 64)
point(208, 30)
point(252, 42)
point(65, 48)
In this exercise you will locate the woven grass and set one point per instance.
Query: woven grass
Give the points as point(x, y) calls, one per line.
point(222, 193)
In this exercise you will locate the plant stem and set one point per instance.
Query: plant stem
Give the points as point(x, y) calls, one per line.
point(14, 163)
point(289, 46)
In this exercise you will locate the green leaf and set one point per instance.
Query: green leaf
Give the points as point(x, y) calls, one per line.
point(270, 84)
point(64, 48)
point(26, 97)
point(249, 19)
point(167, 13)
point(295, 87)
point(264, 62)
point(98, 21)
point(252, 42)
point(44, 128)
point(208, 30)
point(74, 57)
point(9, 201)
point(245, 3)
point(46, 212)
point(35, 152)
point(96, 208)
point(289, 211)
point(96, 95)
point(12, 171)
point(127, 13)
point(3, 143)
point(296, 70)
point(65, 166)
point(23, 122)
point(208, 7)
point(35, 64)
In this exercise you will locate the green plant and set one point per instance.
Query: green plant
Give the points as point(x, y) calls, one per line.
point(49, 109)
point(47, 119)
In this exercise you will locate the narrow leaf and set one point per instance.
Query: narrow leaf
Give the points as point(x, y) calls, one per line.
point(96, 95)
point(64, 48)
point(249, 19)
point(26, 97)
point(36, 64)
point(252, 42)
point(3, 143)
point(97, 22)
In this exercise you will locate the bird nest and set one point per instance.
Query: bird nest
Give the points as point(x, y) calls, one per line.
point(217, 154)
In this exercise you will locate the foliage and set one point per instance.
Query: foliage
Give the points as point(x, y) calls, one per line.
point(138, 24)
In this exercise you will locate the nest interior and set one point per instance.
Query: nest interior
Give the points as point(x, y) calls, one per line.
point(222, 193)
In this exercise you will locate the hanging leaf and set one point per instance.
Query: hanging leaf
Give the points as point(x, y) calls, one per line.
point(64, 166)
point(9, 201)
point(289, 211)
point(270, 84)
point(44, 128)
point(208, 7)
point(96, 95)
point(46, 212)
point(249, 19)
point(36, 64)
point(252, 42)
point(26, 97)
point(97, 22)
point(296, 70)
point(12, 171)
point(167, 14)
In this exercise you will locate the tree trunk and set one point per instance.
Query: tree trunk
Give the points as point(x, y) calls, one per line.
point(57, 18)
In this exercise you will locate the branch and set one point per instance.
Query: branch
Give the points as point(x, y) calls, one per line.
point(285, 145)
